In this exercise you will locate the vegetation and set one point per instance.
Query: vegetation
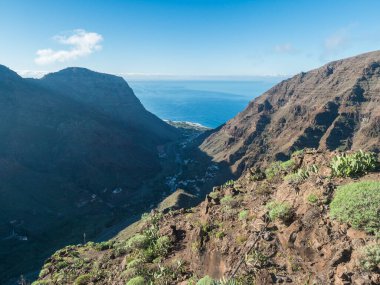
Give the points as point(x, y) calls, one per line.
point(243, 215)
point(279, 211)
point(351, 165)
point(227, 200)
point(312, 198)
point(83, 279)
point(214, 195)
point(276, 168)
point(256, 258)
point(298, 152)
point(301, 174)
point(358, 205)
point(229, 183)
point(370, 257)
point(139, 280)
point(207, 280)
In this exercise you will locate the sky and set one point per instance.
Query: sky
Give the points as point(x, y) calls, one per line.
point(184, 38)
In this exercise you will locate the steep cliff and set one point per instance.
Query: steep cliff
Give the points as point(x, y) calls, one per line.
point(336, 106)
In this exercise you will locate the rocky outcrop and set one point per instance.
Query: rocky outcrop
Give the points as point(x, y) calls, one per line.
point(74, 147)
point(336, 106)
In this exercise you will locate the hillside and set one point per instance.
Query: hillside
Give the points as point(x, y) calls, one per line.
point(75, 148)
point(305, 210)
point(333, 107)
point(289, 224)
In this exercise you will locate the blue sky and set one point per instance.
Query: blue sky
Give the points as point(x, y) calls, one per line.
point(185, 38)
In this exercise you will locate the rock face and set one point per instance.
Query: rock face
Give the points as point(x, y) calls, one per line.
point(67, 142)
point(336, 106)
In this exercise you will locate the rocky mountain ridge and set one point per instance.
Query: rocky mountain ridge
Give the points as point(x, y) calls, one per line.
point(75, 147)
point(333, 107)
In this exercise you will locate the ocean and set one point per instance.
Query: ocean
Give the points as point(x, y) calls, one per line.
point(209, 103)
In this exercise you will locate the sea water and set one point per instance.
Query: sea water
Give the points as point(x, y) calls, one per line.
point(209, 103)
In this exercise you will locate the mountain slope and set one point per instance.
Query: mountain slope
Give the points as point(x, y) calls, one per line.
point(111, 95)
point(67, 166)
point(258, 230)
point(335, 106)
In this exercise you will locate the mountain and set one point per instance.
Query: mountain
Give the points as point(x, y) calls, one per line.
point(255, 230)
point(311, 216)
point(112, 96)
point(332, 107)
point(75, 147)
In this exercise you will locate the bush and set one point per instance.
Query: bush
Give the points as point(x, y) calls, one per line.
point(243, 215)
point(279, 211)
point(139, 280)
point(226, 200)
point(312, 198)
point(214, 195)
point(229, 183)
point(220, 235)
point(162, 246)
point(135, 263)
point(83, 279)
point(273, 170)
point(370, 257)
point(138, 241)
point(301, 174)
point(358, 205)
point(103, 245)
point(287, 165)
point(355, 164)
point(207, 280)
point(298, 152)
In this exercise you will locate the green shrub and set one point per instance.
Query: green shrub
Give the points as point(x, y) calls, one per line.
point(301, 174)
point(162, 246)
point(43, 272)
point(287, 165)
point(276, 168)
point(356, 164)
point(220, 235)
point(257, 258)
point(243, 215)
point(312, 198)
point(138, 241)
point(229, 183)
point(273, 170)
point(298, 152)
point(103, 245)
point(358, 204)
point(226, 200)
point(134, 263)
point(42, 282)
point(370, 257)
point(83, 279)
point(139, 280)
point(279, 211)
point(214, 195)
point(207, 280)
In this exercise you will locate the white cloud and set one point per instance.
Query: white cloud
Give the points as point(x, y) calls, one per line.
point(337, 42)
point(285, 48)
point(32, 73)
point(82, 43)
